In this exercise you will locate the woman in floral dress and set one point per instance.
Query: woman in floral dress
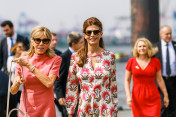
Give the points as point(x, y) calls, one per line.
point(94, 69)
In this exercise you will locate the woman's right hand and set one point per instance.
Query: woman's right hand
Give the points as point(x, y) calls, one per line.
point(19, 79)
point(70, 115)
point(129, 101)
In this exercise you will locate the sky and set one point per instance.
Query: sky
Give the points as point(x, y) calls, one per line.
point(60, 14)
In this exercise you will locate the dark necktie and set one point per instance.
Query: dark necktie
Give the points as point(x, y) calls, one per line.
point(11, 46)
point(168, 69)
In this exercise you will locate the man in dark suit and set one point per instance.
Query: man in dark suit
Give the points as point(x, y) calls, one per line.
point(8, 41)
point(53, 44)
point(167, 57)
point(4, 79)
point(75, 41)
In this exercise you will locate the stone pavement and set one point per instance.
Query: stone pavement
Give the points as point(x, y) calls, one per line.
point(121, 113)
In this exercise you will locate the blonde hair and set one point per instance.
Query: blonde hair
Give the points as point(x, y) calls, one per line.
point(150, 49)
point(39, 31)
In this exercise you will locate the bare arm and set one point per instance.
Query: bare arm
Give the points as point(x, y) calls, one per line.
point(48, 81)
point(162, 86)
point(16, 83)
point(127, 87)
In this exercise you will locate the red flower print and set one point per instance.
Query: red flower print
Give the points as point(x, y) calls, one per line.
point(91, 79)
point(73, 57)
point(103, 109)
point(73, 85)
point(74, 82)
point(85, 88)
point(69, 73)
point(66, 91)
point(112, 112)
point(79, 79)
point(98, 70)
point(113, 72)
point(88, 109)
point(84, 96)
point(107, 86)
point(105, 78)
point(79, 114)
point(84, 71)
point(70, 98)
point(95, 105)
point(93, 94)
point(114, 89)
point(74, 67)
point(97, 88)
point(106, 63)
point(113, 56)
point(105, 95)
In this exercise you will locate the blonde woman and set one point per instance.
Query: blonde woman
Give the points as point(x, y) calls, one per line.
point(145, 69)
point(39, 69)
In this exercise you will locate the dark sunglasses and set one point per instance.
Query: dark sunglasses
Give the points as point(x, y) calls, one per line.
point(44, 41)
point(89, 32)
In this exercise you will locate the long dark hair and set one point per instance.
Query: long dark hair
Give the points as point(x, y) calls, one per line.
point(82, 53)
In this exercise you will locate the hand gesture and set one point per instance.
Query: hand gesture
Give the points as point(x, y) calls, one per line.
point(19, 79)
point(21, 61)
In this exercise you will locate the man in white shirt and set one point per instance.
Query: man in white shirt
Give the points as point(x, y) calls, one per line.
point(167, 57)
point(7, 42)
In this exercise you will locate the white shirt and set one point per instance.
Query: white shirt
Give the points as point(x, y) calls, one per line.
point(11, 69)
point(14, 37)
point(71, 50)
point(171, 56)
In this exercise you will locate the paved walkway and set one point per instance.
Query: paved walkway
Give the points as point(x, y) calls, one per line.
point(121, 113)
point(125, 113)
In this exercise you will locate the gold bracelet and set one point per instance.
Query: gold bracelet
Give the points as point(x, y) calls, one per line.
point(32, 69)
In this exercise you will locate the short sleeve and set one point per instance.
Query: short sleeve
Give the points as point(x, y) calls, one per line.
point(158, 64)
point(129, 64)
point(56, 66)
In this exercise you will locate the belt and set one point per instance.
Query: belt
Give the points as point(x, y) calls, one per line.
point(167, 77)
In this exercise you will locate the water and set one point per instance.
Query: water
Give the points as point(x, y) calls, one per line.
point(120, 72)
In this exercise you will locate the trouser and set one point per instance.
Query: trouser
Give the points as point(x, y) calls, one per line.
point(170, 111)
point(3, 105)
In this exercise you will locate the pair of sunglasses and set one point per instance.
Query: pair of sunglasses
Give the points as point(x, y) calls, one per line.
point(44, 41)
point(89, 32)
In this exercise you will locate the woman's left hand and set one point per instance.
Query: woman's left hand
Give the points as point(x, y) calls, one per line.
point(21, 61)
point(166, 101)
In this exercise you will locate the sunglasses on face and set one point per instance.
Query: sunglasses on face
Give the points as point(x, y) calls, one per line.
point(89, 32)
point(44, 41)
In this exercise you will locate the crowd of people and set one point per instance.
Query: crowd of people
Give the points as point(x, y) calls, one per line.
point(82, 80)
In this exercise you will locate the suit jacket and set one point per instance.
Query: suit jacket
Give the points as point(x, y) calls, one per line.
point(4, 49)
point(60, 85)
point(57, 52)
point(4, 79)
point(159, 53)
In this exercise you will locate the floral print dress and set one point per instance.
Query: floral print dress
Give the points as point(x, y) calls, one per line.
point(98, 95)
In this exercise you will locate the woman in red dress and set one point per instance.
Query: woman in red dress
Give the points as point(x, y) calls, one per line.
point(145, 69)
